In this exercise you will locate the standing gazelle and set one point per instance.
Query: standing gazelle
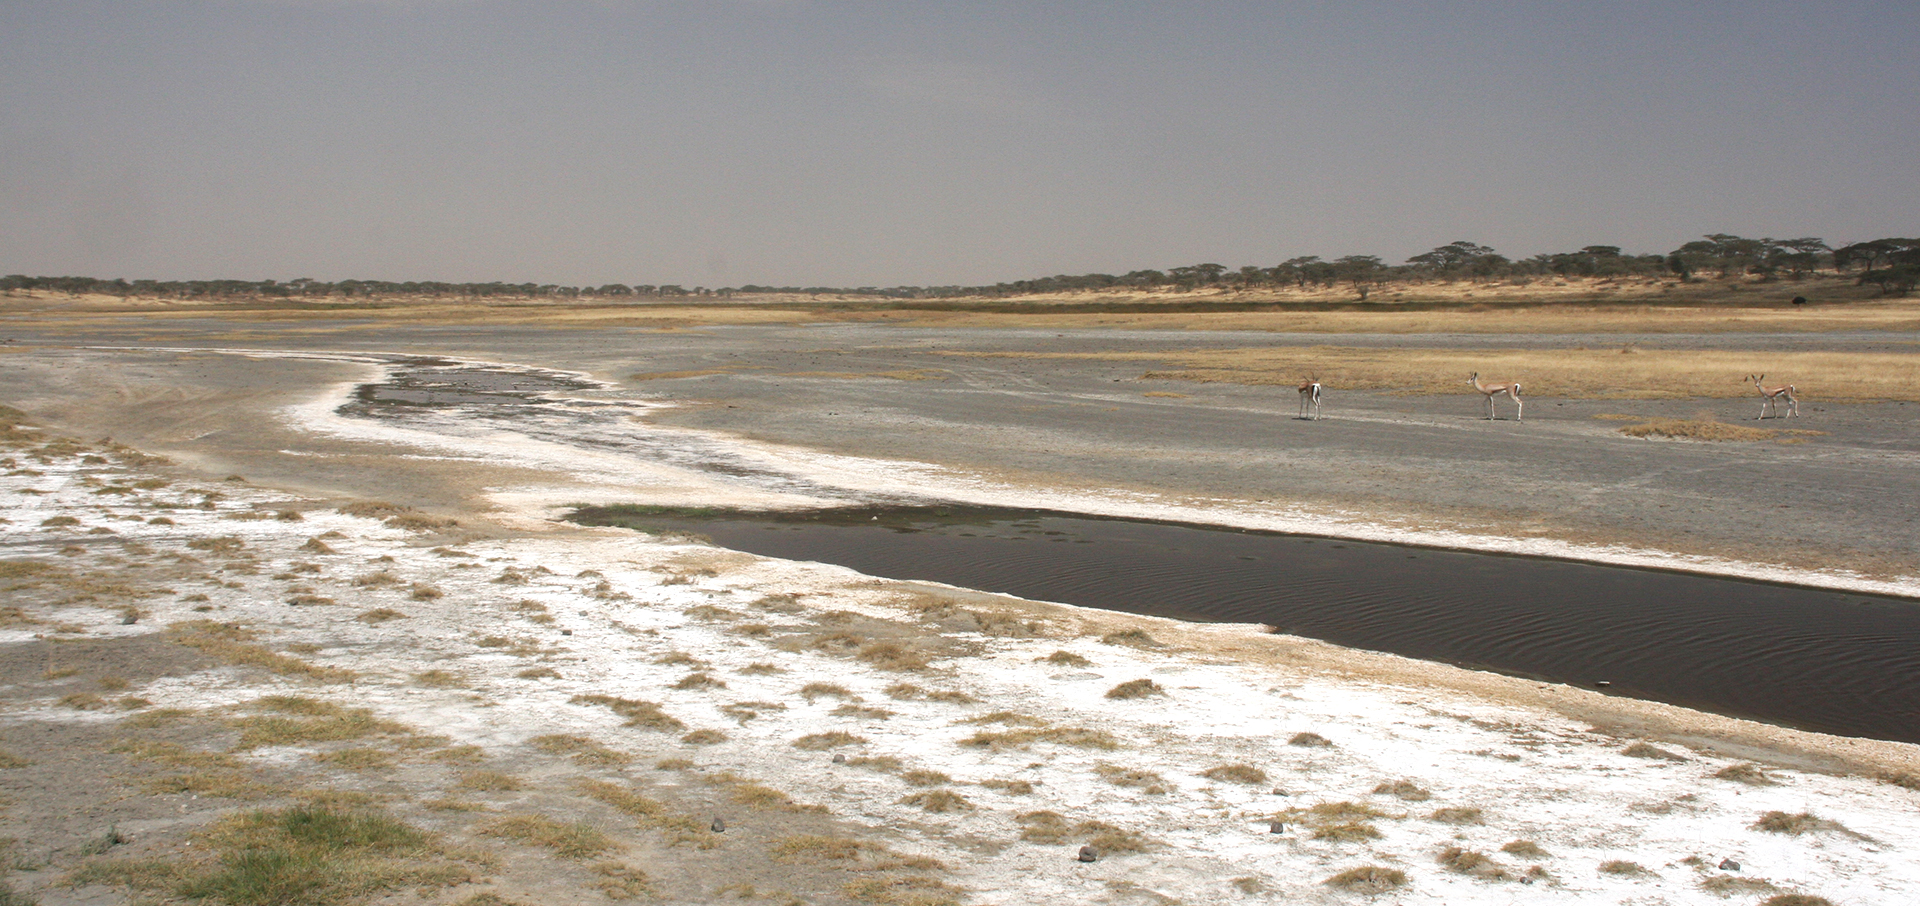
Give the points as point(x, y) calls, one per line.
point(1310, 398)
point(1771, 396)
point(1492, 390)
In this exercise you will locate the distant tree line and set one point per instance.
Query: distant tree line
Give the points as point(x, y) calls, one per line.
point(1891, 264)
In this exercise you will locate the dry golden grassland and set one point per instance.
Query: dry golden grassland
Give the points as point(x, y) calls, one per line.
point(1554, 306)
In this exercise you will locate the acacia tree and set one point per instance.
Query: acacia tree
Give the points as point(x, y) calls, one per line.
point(1459, 259)
point(1363, 271)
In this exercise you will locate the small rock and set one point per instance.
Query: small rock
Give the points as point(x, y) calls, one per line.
point(566, 632)
point(1277, 827)
point(1280, 792)
point(1729, 865)
point(839, 758)
point(719, 826)
point(1089, 854)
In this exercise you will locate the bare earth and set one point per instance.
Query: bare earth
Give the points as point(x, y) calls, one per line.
point(156, 608)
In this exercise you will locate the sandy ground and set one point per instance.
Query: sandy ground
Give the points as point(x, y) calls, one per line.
point(510, 654)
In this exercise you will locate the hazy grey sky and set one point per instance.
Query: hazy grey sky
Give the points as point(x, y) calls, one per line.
point(909, 142)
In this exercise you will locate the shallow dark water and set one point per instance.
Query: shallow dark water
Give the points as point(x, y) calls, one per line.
point(1838, 663)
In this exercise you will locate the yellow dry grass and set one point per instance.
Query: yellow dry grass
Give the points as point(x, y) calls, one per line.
point(1573, 305)
point(1619, 373)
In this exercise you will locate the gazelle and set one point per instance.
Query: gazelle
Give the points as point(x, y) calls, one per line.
point(1310, 397)
point(1492, 390)
point(1771, 396)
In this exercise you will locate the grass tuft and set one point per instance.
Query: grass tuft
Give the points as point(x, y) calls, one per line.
point(651, 814)
point(1368, 879)
point(1236, 773)
point(1080, 737)
point(1646, 750)
point(1458, 815)
point(1140, 688)
point(1064, 659)
point(1624, 868)
point(820, 742)
point(1131, 778)
point(1132, 638)
point(1310, 740)
point(643, 714)
point(570, 840)
point(1749, 774)
point(937, 801)
point(1405, 790)
point(1525, 849)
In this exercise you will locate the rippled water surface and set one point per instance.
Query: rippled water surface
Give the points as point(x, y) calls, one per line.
point(1818, 660)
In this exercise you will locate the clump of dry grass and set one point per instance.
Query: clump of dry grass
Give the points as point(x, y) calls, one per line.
point(1310, 740)
point(1795, 825)
point(925, 778)
point(580, 749)
point(439, 679)
point(1009, 787)
point(1052, 827)
point(488, 782)
point(937, 801)
point(232, 643)
point(1624, 868)
point(1750, 774)
point(1701, 427)
point(761, 669)
point(1337, 822)
point(812, 691)
point(463, 754)
point(754, 794)
point(1796, 899)
point(1080, 737)
point(651, 814)
point(902, 890)
point(1140, 688)
point(893, 656)
point(1236, 773)
point(704, 738)
point(538, 673)
point(1132, 778)
point(1008, 718)
point(820, 742)
point(862, 712)
point(642, 714)
point(1469, 862)
point(1728, 885)
point(700, 680)
point(293, 720)
point(952, 697)
point(570, 840)
point(1403, 789)
point(746, 711)
point(1647, 750)
point(1368, 879)
point(619, 881)
point(380, 615)
point(1132, 638)
point(883, 763)
point(1525, 849)
point(358, 758)
point(1458, 815)
point(373, 509)
point(1346, 832)
point(818, 848)
point(1064, 659)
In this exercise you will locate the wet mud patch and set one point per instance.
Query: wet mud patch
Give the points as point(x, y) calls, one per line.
point(1813, 659)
